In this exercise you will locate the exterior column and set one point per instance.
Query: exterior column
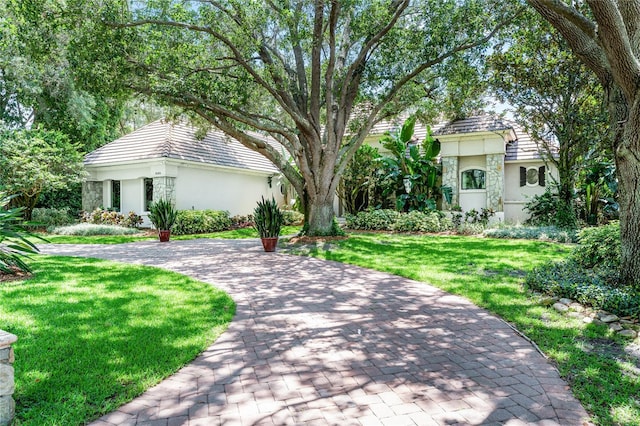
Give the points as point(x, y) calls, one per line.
point(164, 187)
point(7, 386)
point(91, 195)
point(450, 178)
point(495, 182)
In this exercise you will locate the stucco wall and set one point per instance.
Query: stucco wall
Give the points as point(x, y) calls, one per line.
point(196, 186)
point(222, 190)
point(515, 195)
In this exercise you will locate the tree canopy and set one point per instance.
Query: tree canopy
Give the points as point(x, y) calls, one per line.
point(32, 161)
point(42, 77)
point(604, 35)
point(555, 96)
point(313, 75)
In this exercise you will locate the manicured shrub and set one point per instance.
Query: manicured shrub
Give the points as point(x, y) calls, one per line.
point(542, 233)
point(87, 229)
point(44, 218)
point(109, 217)
point(372, 220)
point(241, 221)
point(391, 220)
point(570, 279)
point(292, 218)
point(599, 247)
point(201, 222)
point(468, 228)
point(416, 221)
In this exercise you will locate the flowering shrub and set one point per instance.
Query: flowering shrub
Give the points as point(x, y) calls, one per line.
point(108, 217)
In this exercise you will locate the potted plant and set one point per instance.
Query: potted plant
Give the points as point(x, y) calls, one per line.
point(267, 219)
point(162, 215)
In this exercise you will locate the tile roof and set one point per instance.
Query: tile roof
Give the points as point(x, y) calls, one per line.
point(523, 147)
point(163, 139)
point(478, 123)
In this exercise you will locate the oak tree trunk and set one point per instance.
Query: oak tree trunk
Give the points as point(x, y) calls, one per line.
point(627, 153)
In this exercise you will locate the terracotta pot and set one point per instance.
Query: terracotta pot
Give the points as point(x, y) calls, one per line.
point(269, 244)
point(164, 236)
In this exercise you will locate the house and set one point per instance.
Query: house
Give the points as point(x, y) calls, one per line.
point(168, 160)
point(488, 162)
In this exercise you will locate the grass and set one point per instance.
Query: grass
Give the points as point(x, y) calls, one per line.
point(489, 272)
point(241, 233)
point(94, 334)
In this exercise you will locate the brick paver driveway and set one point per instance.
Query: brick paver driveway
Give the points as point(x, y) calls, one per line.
point(317, 342)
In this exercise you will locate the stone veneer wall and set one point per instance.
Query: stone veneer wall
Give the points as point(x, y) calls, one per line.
point(164, 187)
point(495, 181)
point(7, 405)
point(450, 178)
point(91, 195)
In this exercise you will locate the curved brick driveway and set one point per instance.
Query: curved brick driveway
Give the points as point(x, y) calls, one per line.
point(317, 342)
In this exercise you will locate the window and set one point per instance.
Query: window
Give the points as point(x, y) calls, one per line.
point(473, 179)
point(115, 195)
point(148, 193)
point(533, 176)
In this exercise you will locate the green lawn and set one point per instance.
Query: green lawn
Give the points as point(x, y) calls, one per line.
point(489, 272)
point(94, 334)
point(119, 239)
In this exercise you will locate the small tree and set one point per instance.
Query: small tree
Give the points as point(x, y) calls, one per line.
point(34, 160)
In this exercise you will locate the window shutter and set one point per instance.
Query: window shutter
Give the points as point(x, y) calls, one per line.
point(542, 175)
point(523, 176)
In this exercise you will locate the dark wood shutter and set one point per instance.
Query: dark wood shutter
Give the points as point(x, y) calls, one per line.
point(542, 175)
point(523, 176)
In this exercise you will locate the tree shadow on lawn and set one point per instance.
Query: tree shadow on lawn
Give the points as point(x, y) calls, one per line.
point(320, 336)
point(90, 345)
point(314, 338)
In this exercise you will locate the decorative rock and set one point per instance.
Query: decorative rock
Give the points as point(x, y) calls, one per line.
point(631, 334)
point(574, 314)
point(548, 300)
point(587, 320)
point(6, 379)
point(609, 318)
point(615, 326)
point(565, 301)
point(576, 307)
point(7, 409)
point(626, 321)
point(560, 307)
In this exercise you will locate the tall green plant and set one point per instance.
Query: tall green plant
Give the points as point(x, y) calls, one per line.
point(14, 247)
point(412, 172)
point(163, 214)
point(267, 218)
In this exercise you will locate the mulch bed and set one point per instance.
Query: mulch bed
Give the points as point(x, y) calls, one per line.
point(314, 240)
point(18, 275)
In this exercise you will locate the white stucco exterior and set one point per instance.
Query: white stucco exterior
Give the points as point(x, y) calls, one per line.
point(197, 186)
point(486, 151)
point(171, 161)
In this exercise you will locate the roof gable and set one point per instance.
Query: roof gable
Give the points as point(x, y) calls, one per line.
point(163, 139)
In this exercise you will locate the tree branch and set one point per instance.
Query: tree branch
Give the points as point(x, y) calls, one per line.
point(617, 46)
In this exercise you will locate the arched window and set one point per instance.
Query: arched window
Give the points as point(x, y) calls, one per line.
point(473, 179)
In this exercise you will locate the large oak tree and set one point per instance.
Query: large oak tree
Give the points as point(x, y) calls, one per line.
point(313, 75)
point(607, 40)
